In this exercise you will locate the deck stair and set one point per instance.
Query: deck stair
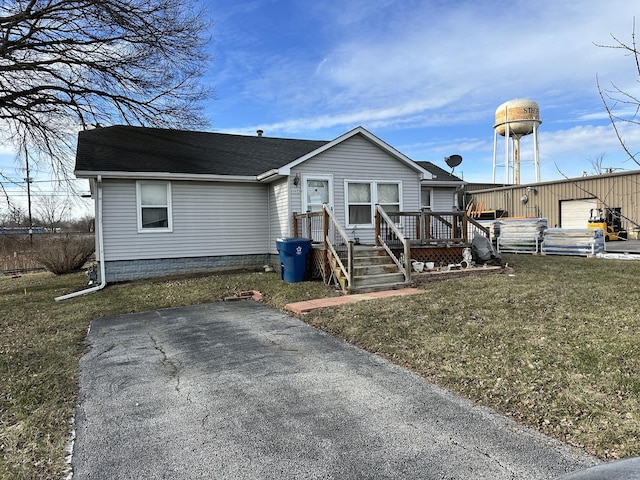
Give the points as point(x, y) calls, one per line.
point(374, 270)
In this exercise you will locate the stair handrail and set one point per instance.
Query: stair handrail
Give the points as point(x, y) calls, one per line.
point(347, 270)
point(404, 266)
point(478, 226)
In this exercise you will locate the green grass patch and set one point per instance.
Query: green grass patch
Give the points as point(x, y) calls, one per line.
point(556, 346)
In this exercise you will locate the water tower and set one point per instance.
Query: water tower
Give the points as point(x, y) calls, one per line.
point(515, 119)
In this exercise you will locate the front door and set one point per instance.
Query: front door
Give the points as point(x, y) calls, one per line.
point(316, 190)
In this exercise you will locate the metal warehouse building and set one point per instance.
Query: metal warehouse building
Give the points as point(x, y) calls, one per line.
point(565, 203)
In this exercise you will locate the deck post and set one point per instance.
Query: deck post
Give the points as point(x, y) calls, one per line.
point(325, 249)
point(465, 229)
point(350, 262)
point(377, 232)
point(295, 224)
point(427, 226)
point(455, 227)
point(407, 260)
point(309, 232)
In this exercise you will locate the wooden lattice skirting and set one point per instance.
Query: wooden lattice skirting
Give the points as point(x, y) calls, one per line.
point(440, 256)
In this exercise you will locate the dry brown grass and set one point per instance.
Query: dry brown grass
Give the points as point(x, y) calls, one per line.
point(555, 346)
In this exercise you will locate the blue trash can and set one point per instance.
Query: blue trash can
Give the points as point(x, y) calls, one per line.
point(293, 258)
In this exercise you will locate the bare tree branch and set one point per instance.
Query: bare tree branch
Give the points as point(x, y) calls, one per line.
point(618, 96)
point(67, 65)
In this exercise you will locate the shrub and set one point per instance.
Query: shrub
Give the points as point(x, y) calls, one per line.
point(65, 254)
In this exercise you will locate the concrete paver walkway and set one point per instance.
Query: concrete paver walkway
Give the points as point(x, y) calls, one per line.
point(308, 305)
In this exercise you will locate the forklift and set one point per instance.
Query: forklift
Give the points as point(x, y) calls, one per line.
point(609, 221)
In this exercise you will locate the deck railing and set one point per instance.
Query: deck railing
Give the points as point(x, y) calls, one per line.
point(340, 247)
point(323, 227)
point(309, 225)
point(396, 232)
point(427, 227)
point(389, 236)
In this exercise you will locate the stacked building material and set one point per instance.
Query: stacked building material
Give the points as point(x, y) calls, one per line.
point(521, 235)
point(569, 241)
point(492, 225)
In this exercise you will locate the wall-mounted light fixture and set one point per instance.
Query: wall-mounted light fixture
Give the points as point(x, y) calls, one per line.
point(296, 179)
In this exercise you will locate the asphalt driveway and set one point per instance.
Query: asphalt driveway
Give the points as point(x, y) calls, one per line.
point(240, 391)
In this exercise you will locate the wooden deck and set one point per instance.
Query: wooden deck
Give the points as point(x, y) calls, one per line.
point(401, 237)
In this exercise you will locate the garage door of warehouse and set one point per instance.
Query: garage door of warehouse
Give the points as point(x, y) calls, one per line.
point(576, 213)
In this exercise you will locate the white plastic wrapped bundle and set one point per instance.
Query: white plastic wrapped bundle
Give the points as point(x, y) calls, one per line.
point(568, 241)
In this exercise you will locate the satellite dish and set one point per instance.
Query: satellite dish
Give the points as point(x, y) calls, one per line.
point(453, 161)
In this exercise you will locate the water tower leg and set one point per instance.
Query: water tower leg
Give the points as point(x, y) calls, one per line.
point(506, 153)
point(536, 159)
point(516, 159)
point(495, 146)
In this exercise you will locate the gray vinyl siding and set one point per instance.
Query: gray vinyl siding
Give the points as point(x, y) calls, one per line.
point(209, 219)
point(443, 199)
point(279, 214)
point(358, 159)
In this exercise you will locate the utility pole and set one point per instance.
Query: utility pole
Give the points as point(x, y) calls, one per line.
point(29, 180)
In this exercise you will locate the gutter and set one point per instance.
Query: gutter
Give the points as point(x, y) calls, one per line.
point(268, 175)
point(165, 176)
point(103, 282)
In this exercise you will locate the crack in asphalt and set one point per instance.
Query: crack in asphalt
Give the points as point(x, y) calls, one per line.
point(171, 367)
point(505, 468)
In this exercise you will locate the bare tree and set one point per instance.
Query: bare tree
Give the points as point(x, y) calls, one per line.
point(14, 216)
point(615, 96)
point(67, 65)
point(52, 210)
point(84, 224)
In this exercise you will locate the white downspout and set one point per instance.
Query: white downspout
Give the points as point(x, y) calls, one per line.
point(103, 282)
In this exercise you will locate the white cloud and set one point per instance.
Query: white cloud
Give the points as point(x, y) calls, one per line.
point(405, 70)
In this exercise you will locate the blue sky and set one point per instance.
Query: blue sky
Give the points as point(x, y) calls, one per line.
point(424, 76)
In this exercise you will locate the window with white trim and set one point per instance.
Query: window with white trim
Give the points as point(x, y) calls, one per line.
point(363, 196)
point(154, 206)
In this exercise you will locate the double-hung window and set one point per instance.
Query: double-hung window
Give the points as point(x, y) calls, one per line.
point(360, 206)
point(363, 196)
point(154, 206)
point(425, 197)
point(388, 196)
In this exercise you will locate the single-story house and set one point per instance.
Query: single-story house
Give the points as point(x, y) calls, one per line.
point(174, 201)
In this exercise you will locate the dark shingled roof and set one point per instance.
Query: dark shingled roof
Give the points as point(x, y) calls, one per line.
point(141, 149)
point(440, 174)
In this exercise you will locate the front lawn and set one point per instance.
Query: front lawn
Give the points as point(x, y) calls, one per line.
point(555, 346)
